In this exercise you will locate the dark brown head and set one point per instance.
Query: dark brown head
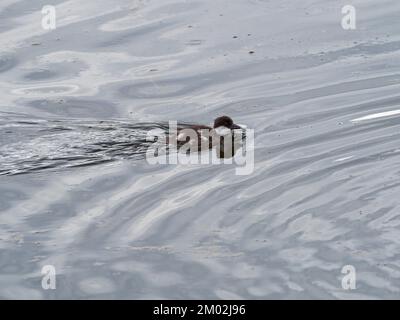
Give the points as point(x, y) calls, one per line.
point(226, 122)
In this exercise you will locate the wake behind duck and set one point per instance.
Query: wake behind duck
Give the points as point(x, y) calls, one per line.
point(37, 145)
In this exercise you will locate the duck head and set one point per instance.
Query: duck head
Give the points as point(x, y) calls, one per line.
point(223, 125)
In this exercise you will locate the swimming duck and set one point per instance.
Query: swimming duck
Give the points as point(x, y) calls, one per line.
point(202, 137)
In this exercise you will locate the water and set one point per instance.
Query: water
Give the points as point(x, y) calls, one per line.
point(35, 146)
point(324, 104)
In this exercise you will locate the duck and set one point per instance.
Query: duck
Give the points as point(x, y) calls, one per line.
point(203, 137)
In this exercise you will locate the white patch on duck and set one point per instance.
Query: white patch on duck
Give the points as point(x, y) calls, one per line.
point(232, 142)
point(222, 131)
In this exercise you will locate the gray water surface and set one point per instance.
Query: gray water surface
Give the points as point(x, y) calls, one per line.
point(324, 103)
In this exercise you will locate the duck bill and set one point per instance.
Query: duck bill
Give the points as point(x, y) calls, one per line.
point(235, 126)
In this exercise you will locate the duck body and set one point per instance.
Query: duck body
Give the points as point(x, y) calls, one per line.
point(201, 137)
